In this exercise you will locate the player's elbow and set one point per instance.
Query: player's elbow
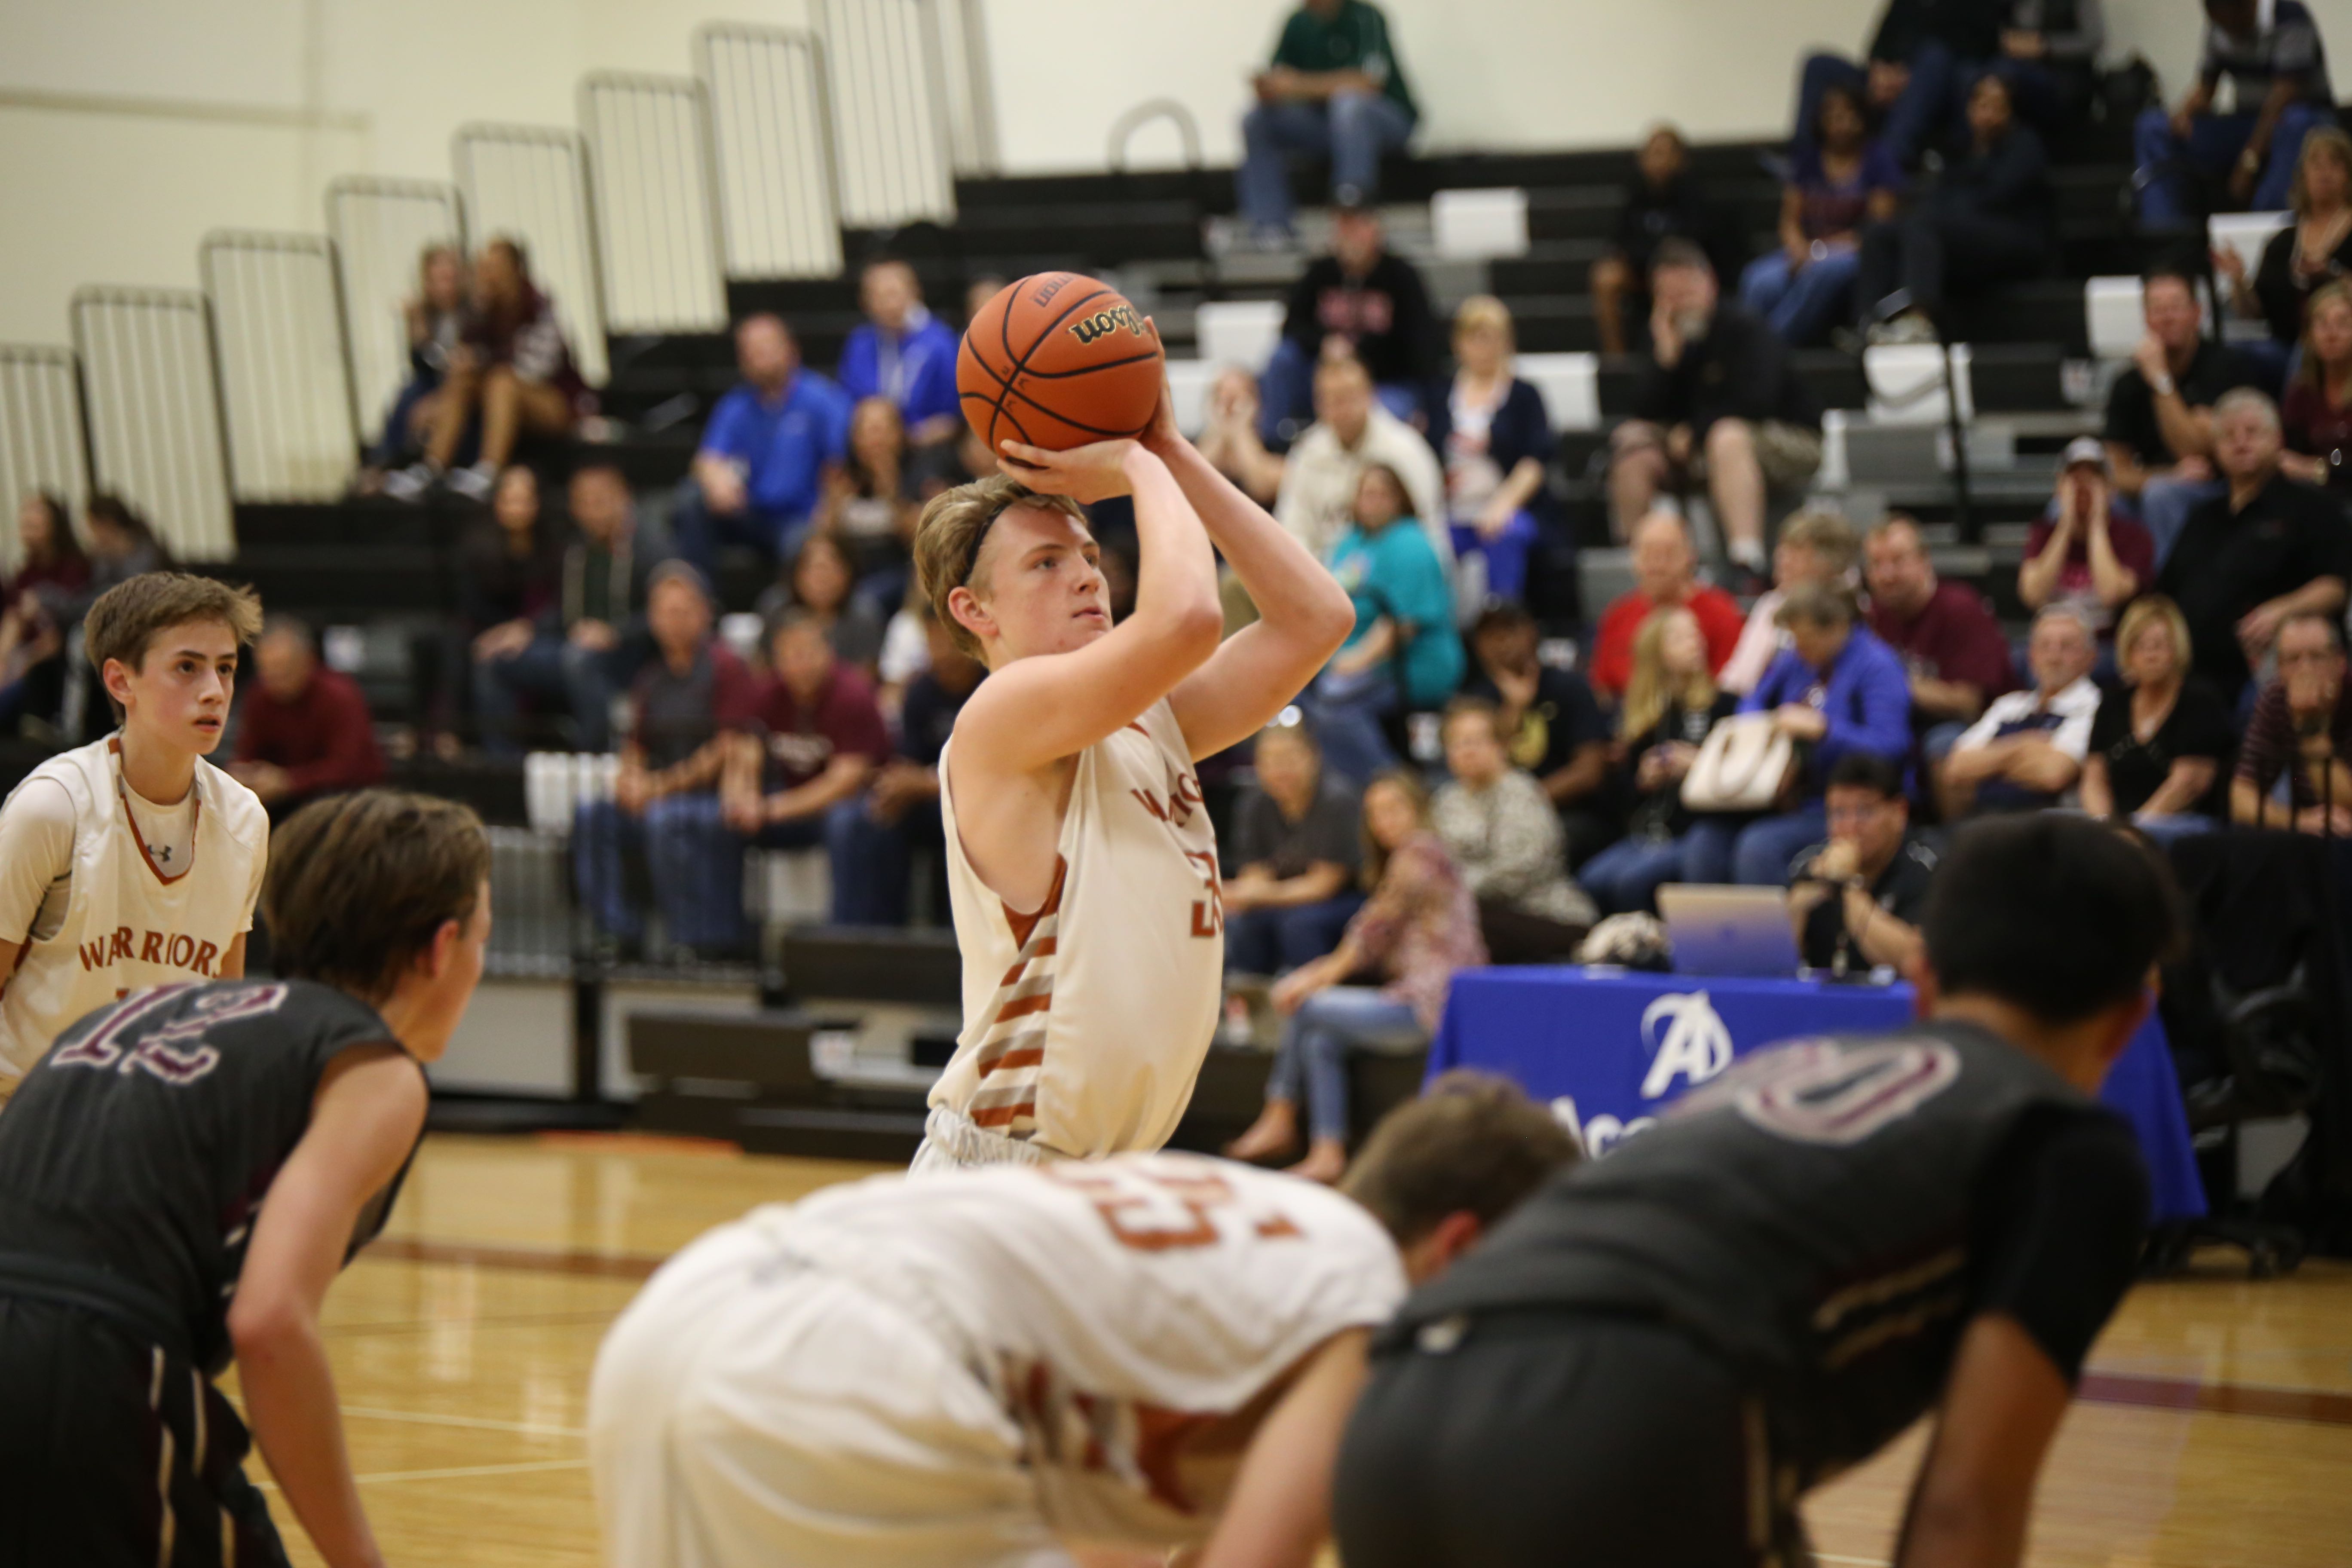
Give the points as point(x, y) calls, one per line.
point(1194, 630)
point(1330, 616)
point(264, 1324)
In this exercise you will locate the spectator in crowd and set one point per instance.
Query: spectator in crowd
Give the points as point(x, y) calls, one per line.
point(1670, 706)
point(1662, 202)
point(1297, 847)
point(304, 730)
point(1836, 691)
point(2094, 555)
point(1718, 404)
point(1551, 723)
point(513, 369)
point(1361, 300)
point(511, 577)
point(2027, 751)
point(1907, 80)
point(586, 644)
point(122, 545)
point(2159, 747)
point(2310, 253)
point(797, 781)
point(2296, 767)
point(1403, 655)
point(1817, 545)
point(1504, 839)
point(1229, 436)
point(2317, 414)
point(869, 506)
point(818, 581)
point(980, 291)
point(1951, 644)
point(1665, 571)
point(1857, 898)
point(903, 353)
point(760, 471)
point(37, 607)
point(1419, 927)
point(2159, 429)
point(1351, 432)
point(1334, 89)
point(435, 317)
point(1495, 437)
point(1839, 179)
point(2270, 52)
point(689, 703)
point(873, 849)
point(1990, 219)
point(2266, 549)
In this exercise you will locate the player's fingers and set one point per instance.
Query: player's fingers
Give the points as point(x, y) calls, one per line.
point(1028, 457)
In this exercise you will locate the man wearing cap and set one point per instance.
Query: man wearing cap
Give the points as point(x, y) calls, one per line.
point(2085, 551)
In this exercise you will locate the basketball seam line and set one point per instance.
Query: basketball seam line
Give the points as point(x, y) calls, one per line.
point(1009, 390)
point(1004, 335)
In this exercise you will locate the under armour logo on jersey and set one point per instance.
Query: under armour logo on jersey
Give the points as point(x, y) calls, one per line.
point(1696, 1043)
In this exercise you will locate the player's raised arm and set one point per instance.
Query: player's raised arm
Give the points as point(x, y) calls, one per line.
point(1028, 588)
point(369, 1111)
point(1303, 612)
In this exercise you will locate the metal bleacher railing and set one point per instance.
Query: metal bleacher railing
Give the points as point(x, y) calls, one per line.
point(382, 229)
point(530, 182)
point(155, 431)
point(893, 124)
point(42, 447)
point(772, 144)
point(650, 161)
point(292, 418)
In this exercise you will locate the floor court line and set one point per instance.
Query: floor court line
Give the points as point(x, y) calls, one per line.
point(455, 1473)
point(473, 1423)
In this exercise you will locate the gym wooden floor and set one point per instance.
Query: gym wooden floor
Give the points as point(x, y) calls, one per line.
point(2216, 1428)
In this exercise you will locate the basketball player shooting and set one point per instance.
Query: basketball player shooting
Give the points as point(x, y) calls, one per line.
point(1083, 868)
point(132, 861)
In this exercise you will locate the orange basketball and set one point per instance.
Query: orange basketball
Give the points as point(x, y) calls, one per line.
point(1058, 361)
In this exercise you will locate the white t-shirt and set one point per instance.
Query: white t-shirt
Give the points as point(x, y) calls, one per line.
point(1105, 1299)
point(2075, 708)
point(1318, 483)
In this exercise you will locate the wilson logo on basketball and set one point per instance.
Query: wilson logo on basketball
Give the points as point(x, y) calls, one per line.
point(1102, 323)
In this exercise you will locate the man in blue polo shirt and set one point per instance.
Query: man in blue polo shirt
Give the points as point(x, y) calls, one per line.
point(762, 465)
point(905, 353)
point(2277, 67)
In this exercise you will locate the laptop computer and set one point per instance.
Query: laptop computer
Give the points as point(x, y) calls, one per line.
point(1739, 931)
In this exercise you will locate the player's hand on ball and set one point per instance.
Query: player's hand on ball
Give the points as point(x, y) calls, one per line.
point(1085, 474)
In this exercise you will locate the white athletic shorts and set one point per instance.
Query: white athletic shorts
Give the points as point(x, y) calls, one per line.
point(954, 1142)
point(749, 1412)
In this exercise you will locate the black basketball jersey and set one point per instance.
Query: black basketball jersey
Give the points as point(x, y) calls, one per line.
point(1816, 1215)
point(143, 1144)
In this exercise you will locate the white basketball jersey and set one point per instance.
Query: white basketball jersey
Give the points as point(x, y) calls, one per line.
point(1115, 1305)
point(126, 924)
point(1085, 1023)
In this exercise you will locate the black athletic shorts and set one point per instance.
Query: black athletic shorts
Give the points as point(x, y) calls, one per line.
point(1542, 1437)
point(115, 1454)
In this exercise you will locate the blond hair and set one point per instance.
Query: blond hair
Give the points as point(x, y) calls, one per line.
point(1827, 535)
point(1485, 310)
point(1651, 689)
point(2155, 609)
point(2326, 140)
point(952, 529)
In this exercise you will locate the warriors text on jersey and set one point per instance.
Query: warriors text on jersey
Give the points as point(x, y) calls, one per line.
point(965, 1368)
point(126, 920)
point(1086, 1021)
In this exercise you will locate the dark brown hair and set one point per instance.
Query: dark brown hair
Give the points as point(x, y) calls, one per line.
point(1472, 1143)
point(359, 884)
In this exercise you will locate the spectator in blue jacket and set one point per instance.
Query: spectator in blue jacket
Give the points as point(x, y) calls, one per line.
point(905, 353)
point(761, 468)
point(1839, 690)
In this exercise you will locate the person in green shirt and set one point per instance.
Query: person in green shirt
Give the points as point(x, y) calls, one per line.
point(1404, 654)
point(1334, 89)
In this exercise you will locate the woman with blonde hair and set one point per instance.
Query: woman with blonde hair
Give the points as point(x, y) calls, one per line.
point(2302, 258)
point(1817, 545)
point(1670, 705)
point(2317, 415)
point(1419, 925)
point(1495, 436)
point(2160, 748)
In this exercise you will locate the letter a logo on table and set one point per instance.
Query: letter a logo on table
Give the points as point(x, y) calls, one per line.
point(1687, 1038)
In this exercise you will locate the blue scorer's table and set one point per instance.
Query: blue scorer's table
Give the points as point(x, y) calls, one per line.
point(1610, 1049)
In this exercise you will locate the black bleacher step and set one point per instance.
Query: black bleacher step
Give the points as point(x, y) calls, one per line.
point(1198, 186)
point(1553, 267)
point(332, 525)
point(341, 580)
point(671, 350)
point(1106, 234)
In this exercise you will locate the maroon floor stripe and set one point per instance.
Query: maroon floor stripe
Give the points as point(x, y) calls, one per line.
point(2218, 1398)
point(544, 1260)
